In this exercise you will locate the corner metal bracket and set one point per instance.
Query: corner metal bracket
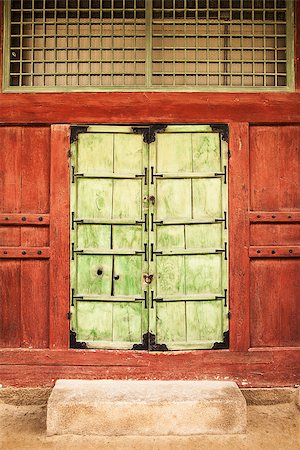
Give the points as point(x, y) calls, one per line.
point(221, 128)
point(74, 343)
point(150, 344)
point(75, 130)
point(149, 131)
point(224, 344)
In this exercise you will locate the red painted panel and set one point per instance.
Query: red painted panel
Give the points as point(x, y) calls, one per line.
point(35, 163)
point(59, 238)
point(275, 168)
point(35, 236)
point(275, 306)
point(10, 169)
point(35, 304)
point(239, 226)
point(275, 234)
point(10, 236)
point(10, 303)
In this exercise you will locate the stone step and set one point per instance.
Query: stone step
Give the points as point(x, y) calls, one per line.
point(149, 408)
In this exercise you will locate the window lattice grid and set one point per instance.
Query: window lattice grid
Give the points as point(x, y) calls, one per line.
point(144, 44)
point(77, 43)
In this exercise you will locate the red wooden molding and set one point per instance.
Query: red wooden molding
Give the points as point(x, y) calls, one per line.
point(24, 252)
point(263, 367)
point(282, 251)
point(24, 219)
point(239, 271)
point(59, 238)
point(149, 107)
point(274, 216)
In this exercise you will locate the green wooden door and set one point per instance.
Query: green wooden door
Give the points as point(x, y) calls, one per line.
point(148, 238)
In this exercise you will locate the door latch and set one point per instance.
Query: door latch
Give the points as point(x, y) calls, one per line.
point(147, 278)
point(150, 199)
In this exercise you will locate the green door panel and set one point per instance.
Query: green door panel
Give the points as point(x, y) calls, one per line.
point(156, 209)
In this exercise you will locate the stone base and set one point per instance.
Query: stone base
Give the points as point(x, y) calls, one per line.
point(146, 408)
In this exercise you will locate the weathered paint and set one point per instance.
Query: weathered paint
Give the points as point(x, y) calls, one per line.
point(111, 196)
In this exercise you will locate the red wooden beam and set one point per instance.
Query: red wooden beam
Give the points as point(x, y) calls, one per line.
point(274, 217)
point(24, 252)
point(149, 107)
point(59, 237)
point(239, 226)
point(255, 368)
point(24, 219)
point(274, 251)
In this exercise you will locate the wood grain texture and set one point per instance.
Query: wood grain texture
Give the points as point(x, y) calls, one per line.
point(275, 234)
point(35, 236)
point(275, 309)
point(274, 216)
point(274, 251)
point(256, 368)
point(59, 237)
point(10, 169)
point(24, 219)
point(34, 304)
point(24, 252)
point(10, 317)
point(149, 107)
point(239, 226)
point(35, 169)
point(275, 168)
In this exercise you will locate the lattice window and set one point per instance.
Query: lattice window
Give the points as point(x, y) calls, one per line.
point(148, 44)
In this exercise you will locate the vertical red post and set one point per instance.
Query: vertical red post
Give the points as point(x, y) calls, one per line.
point(59, 237)
point(297, 45)
point(239, 267)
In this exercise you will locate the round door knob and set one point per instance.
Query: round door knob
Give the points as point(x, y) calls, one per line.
point(116, 277)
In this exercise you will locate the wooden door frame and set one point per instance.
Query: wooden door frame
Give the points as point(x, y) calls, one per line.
point(238, 215)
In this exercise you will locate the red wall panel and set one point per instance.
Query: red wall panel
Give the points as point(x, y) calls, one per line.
point(24, 189)
point(274, 281)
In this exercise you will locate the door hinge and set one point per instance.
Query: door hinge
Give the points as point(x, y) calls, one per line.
point(222, 129)
point(149, 343)
point(223, 344)
point(223, 220)
point(75, 131)
point(224, 174)
point(74, 343)
point(149, 131)
point(69, 153)
point(220, 297)
point(143, 252)
point(69, 315)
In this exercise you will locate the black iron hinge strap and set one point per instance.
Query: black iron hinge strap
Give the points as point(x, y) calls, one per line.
point(223, 220)
point(143, 252)
point(224, 174)
point(220, 297)
point(159, 175)
point(223, 251)
point(141, 222)
point(153, 252)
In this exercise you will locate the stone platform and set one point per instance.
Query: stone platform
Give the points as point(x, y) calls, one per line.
point(145, 408)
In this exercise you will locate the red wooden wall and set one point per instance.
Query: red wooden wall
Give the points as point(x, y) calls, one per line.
point(264, 241)
point(24, 227)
